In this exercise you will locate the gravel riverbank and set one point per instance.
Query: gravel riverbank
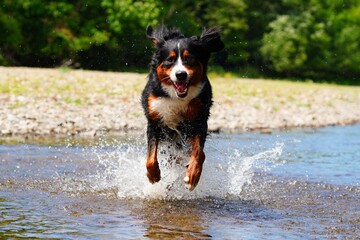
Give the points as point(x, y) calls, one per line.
point(55, 102)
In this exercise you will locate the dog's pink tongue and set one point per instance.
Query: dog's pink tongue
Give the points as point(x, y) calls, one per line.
point(181, 87)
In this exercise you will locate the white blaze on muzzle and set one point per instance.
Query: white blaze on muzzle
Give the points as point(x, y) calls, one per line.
point(179, 67)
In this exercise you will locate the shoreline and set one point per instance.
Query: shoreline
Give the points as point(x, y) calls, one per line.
point(59, 103)
point(120, 135)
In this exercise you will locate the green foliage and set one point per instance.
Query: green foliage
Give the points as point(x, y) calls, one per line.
point(316, 39)
point(129, 14)
point(95, 34)
point(127, 20)
point(259, 14)
point(346, 42)
point(10, 36)
point(232, 18)
point(285, 46)
point(192, 16)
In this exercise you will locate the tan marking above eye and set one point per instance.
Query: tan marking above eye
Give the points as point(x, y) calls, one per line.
point(172, 54)
point(185, 54)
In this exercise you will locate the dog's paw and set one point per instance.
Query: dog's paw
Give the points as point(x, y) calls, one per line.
point(192, 177)
point(153, 174)
point(187, 183)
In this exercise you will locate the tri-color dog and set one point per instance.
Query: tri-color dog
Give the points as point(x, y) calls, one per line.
point(178, 96)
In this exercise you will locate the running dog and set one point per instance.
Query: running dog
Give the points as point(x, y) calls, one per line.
point(178, 96)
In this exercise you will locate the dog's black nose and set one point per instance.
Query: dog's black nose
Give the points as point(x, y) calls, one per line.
point(181, 75)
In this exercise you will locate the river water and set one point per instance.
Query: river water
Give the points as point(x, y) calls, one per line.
point(299, 184)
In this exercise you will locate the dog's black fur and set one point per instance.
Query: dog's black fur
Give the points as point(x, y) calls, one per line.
point(178, 96)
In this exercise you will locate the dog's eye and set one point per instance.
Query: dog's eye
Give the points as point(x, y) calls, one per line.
point(189, 60)
point(169, 62)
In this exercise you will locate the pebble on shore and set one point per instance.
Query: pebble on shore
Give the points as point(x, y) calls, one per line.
point(53, 115)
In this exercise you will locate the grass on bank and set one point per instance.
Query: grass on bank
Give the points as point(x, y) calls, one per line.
point(75, 86)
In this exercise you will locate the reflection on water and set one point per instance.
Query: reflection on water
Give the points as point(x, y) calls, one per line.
point(295, 185)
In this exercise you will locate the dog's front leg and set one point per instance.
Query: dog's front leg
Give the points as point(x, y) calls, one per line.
point(196, 161)
point(152, 165)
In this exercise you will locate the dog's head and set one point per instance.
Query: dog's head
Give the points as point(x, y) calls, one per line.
point(181, 62)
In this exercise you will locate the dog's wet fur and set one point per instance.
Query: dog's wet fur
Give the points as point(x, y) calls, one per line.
point(178, 96)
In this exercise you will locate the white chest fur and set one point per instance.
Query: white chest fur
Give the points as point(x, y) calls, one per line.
point(170, 110)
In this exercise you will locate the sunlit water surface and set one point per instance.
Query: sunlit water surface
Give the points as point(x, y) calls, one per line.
point(301, 184)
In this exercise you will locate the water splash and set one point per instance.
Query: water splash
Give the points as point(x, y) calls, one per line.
point(121, 171)
point(241, 171)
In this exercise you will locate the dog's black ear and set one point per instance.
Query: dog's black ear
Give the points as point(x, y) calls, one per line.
point(150, 34)
point(154, 36)
point(210, 38)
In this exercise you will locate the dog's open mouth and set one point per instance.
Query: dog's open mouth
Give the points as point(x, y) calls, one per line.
point(181, 88)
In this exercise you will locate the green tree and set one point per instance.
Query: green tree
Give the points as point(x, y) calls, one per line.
point(259, 14)
point(345, 28)
point(93, 34)
point(127, 20)
point(229, 14)
point(295, 38)
point(192, 16)
point(285, 46)
point(10, 37)
point(317, 39)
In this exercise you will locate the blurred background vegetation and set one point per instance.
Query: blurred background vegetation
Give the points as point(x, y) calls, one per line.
point(301, 39)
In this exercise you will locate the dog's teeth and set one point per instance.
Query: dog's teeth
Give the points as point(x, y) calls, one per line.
point(186, 179)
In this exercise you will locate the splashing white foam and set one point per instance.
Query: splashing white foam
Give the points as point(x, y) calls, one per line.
point(225, 172)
